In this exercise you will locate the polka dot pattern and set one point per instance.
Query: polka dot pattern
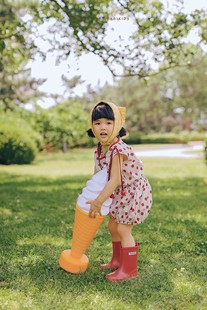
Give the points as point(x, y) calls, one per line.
point(134, 207)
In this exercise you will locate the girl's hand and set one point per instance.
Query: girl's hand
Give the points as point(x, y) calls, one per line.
point(95, 208)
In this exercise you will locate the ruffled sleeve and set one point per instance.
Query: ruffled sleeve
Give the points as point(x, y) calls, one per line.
point(120, 148)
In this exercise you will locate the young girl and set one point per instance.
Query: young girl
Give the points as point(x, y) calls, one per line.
point(127, 186)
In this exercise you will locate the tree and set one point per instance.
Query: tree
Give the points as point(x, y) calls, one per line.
point(142, 100)
point(189, 94)
point(158, 39)
point(16, 48)
point(174, 100)
point(62, 126)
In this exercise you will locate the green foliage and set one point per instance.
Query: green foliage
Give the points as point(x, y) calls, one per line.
point(162, 138)
point(18, 142)
point(138, 138)
point(18, 119)
point(16, 49)
point(82, 26)
point(15, 147)
point(159, 32)
point(173, 101)
point(193, 136)
point(205, 151)
point(134, 138)
point(63, 126)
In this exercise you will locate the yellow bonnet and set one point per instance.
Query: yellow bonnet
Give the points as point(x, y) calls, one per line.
point(119, 119)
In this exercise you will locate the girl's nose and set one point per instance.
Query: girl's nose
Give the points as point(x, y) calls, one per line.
point(103, 126)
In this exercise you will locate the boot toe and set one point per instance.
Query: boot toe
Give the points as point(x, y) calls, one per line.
point(120, 277)
point(109, 266)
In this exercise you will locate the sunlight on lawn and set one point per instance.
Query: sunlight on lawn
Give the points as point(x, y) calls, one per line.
point(41, 240)
point(75, 162)
point(183, 286)
point(80, 162)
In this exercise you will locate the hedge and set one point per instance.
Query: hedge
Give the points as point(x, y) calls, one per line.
point(205, 150)
point(18, 142)
point(138, 138)
point(165, 138)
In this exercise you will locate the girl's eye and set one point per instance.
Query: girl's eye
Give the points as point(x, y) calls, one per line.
point(109, 123)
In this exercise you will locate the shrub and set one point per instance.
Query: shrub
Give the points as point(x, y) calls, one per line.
point(134, 138)
point(194, 136)
point(205, 150)
point(167, 138)
point(63, 126)
point(12, 120)
point(163, 138)
point(139, 138)
point(16, 146)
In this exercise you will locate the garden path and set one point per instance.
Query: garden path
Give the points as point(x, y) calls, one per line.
point(190, 150)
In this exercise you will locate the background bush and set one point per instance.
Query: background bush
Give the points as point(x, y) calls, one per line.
point(18, 142)
point(165, 138)
point(134, 138)
point(63, 126)
point(205, 149)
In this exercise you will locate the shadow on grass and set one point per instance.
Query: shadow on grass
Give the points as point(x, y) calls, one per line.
point(36, 226)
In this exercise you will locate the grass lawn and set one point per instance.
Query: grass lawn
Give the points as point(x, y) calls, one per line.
point(37, 205)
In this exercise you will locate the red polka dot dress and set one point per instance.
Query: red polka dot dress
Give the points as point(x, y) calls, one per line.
point(132, 202)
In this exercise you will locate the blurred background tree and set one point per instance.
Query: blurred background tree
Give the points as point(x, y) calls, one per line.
point(158, 38)
point(63, 126)
point(16, 49)
point(174, 100)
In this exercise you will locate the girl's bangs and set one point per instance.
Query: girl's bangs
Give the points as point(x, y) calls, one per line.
point(102, 111)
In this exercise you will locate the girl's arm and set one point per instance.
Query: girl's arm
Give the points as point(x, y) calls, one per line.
point(112, 184)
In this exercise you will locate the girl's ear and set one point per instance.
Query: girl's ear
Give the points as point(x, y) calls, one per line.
point(90, 133)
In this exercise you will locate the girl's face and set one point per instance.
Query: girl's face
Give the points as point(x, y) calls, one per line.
point(103, 129)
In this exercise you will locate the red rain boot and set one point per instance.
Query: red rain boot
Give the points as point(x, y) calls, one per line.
point(115, 260)
point(128, 265)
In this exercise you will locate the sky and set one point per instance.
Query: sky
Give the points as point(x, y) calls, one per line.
point(89, 66)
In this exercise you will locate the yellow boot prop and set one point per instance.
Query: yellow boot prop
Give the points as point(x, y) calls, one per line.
point(85, 228)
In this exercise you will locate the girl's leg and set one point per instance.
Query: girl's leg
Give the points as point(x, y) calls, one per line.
point(125, 235)
point(128, 256)
point(112, 227)
point(116, 246)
